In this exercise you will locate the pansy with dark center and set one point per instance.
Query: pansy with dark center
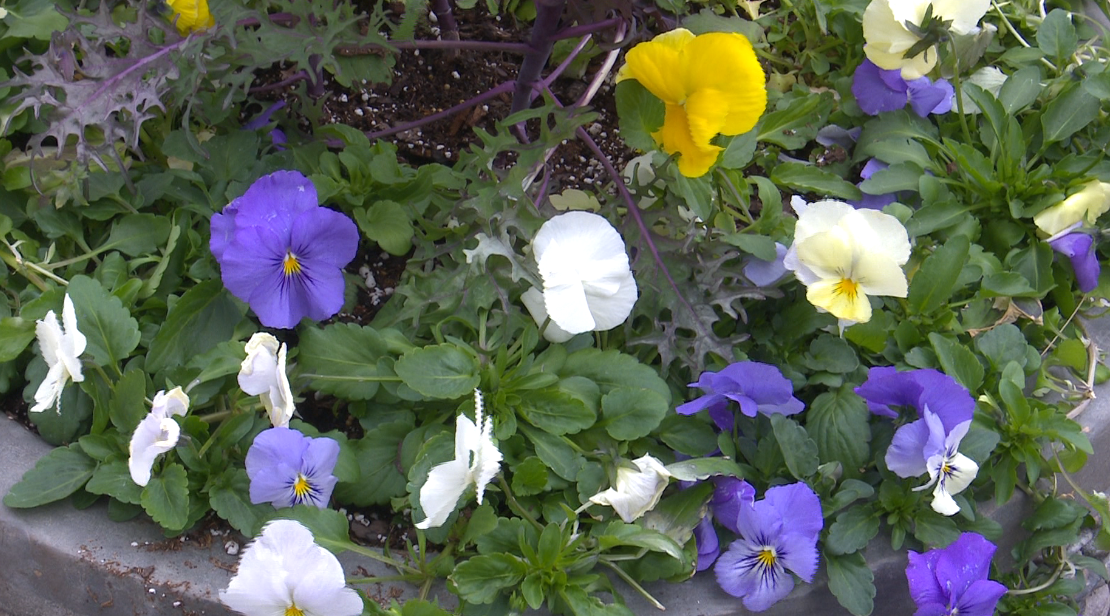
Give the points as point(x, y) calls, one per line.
point(777, 534)
point(953, 581)
point(281, 252)
point(755, 386)
point(287, 468)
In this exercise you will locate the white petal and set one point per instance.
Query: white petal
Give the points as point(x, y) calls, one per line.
point(49, 333)
point(567, 306)
point(533, 301)
point(49, 392)
point(880, 233)
point(256, 373)
point(487, 458)
point(269, 568)
point(152, 437)
point(73, 341)
point(964, 14)
point(943, 503)
point(635, 492)
point(820, 216)
point(168, 404)
point(280, 397)
point(612, 310)
point(964, 473)
point(440, 493)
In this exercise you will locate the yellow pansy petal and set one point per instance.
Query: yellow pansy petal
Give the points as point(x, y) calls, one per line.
point(191, 15)
point(878, 275)
point(1089, 203)
point(724, 62)
point(694, 160)
point(657, 65)
point(843, 298)
point(830, 253)
point(706, 111)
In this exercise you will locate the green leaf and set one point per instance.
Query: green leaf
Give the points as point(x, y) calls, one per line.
point(329, 527)
point(1021, 89)
point(902, 176)
point(1001, 345)
point(933, 283)
point(529, 477)
point(555, 452)
point(640, 114)
point(798, 450)
point(556, 411)
point(481, 578)
point(230, 498)
point(439, 371)
point(759, 246)
point(138, 234)
point(852, 530)
point(1064, 115)
point(202, 318)
point(932, 528)
point(612, 369)
point(631, 413)
point(387, 223)
point(850, 491)
point(700, 469)
point(831, 354)
point(795, 125)
point(15, 334)
point(810, 178)
point(687, 434)
point(379, 476)
point(114, 479)
point(1056, 35)
point(128, 404)
point(100, 447)
point(838, 423)
point(617, 533)
point(851, 582)
point(676, 515)
point(1007, 284)
point(55, 476)
point(958, 362)
point(109, 329)
point(166, 497)
point(338, 357)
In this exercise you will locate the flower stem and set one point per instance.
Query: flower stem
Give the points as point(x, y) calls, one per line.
point(514, 505)
point(382, 558)
point(631, 582)
point(960, 103)
point(385, 578)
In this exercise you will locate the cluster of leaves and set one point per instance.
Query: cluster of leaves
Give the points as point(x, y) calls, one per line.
point(127, 240)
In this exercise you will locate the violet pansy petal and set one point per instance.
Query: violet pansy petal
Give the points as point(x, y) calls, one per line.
point(324, 236)
point(893, 80)
point(792, 406)
point(884, 388)
point(699, 404)
point(222, 231)
point(948, 100)
point(798, 553)
point(274, 485)
point(941, 393)
point(871, 167)
point(964, 561)
point(251, 256)
point(1079, 248)
point(765, 273)
point(278, 300)
point(709, 547)
point(748, 406)
point(980, 598)
point(797, 503)
point(730, 495)
point(872, 92)
point(723, 417)
point(263, 118)
point(275, 200)
point(921, 576)
point(763, 383)
point(738, 576)
point(905, 456)
point(925, 96)
point(874, 202)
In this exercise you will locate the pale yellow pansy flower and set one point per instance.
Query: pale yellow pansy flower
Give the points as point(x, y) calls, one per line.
point(191, 15)
point(710, 83)
point(1088, 204)
point(637, 491)
point(888, 38)
point(844, 256)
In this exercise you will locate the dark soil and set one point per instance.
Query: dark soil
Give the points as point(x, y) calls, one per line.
point(429, 81)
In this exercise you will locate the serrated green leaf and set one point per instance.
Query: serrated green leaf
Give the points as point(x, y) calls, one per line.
point(555, 453)
point(379, 477)
point(204, 317)
point(230, 498)
point(958, 362)
point(114, 479)
point(529, 477)
point(137, 234)
point(798, 450)
point(640, 114)
point(556, 411)
point(852, 530)
point(612, 369)
point(110, 331)
point(439, 371)
point(838, 423)
point(933, 529)
point(166, 497)
point(631, 413)
point(128, 404)
point(55, 476)
point(852, 582)
point(338, 357)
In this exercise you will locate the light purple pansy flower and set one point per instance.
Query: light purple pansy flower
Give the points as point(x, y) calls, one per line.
point(281, 252)
point(886, 387)
point(765, 273)
point(730, 496)
point(287, 468)
point(877, 90)
point(709, 547)
point(873, 202)
point(755, 386)
point(777, 534)
point(953, 580)
point(1079, 248)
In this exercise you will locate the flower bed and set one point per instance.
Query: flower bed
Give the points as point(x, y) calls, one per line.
point(812, 342)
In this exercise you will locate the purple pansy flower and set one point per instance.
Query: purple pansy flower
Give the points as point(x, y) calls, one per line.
point(1080, 249)
point(877, 90)
point(281, 252)
point(287, 468)
point(873, 202)
point(953, 580)
point(709, 547)
point(755, 386)
point(730, 496)
point(930, 443)
point(765, 273)
point(776, 534)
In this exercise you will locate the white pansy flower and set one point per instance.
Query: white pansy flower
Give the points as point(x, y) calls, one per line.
point(284, 573)
point(587, 282)
point(949, 470)
point(477, 460)
point(844, 255)
point(156, 434)
point(262, 374)
point(888, 38)
point(61, 349)
point(636, 491)
point(1092, 201)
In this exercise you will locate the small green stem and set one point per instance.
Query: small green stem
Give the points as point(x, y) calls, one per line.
point(382, 558)
point(514, 505)
point(217, 416)
point(381, 579)
point(631, 582)
point(956, 85)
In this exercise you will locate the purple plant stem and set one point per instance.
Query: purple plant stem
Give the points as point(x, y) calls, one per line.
point(548, 13)
point(448, 27)
point(298, 76)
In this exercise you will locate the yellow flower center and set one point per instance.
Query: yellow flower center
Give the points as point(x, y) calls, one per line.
point(293, 610)
point(847, 288)
point(290, 264)
point(301, 487)
point(767, 557)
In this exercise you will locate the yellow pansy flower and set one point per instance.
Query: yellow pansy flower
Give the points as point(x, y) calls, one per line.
point(710, 83)
point(843, 255)
point(1092, 201)
point(191, 15)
